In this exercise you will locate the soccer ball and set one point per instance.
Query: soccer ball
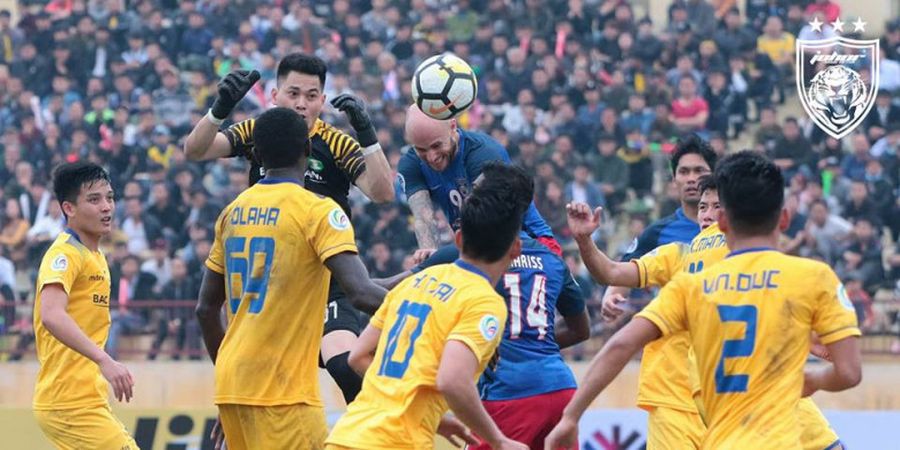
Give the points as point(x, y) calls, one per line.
point(444, 86)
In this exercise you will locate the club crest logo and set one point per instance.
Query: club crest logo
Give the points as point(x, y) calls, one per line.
point(837, 78)
point(338, 220)
point(489, 327)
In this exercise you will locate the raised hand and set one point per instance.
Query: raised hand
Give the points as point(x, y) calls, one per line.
point(231, 90)
point(355, 109)
point(582, 221)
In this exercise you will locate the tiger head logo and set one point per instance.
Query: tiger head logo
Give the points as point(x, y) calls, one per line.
point(837, 79)
point(838, 94)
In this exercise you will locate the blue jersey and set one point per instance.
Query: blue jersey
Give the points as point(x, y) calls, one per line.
point(450, 187)
point(537, 284)
point(675, 227)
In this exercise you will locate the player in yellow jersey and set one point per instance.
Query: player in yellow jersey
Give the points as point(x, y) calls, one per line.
point(274, 241)
point(749, 318)
point(71, 321)
point(442, 326)
point(656, 269)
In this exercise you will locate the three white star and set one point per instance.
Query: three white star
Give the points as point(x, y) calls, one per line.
point(838, 25)
point(859, 25)
point(816, 24)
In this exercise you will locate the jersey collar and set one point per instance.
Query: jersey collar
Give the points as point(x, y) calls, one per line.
point(279, 180)
point(469, 267)
point(317, 127)
point(749, 250)
point(74, 235)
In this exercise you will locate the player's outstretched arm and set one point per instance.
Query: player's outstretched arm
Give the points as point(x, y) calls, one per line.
point(844, 373)
point(582, 223)
point(423, 222)
point(205, 142)
point(454, 380)
point(60, 324)
point(363, 350)
point(602, 370)
point(353, 277)
point(377, 182)
point(209, 307)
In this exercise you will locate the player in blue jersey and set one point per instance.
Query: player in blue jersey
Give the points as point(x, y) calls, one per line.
point(441, 171)
point(528, 388)
point(692, 159)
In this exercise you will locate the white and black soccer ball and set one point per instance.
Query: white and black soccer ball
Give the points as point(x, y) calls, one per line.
point(443, 86)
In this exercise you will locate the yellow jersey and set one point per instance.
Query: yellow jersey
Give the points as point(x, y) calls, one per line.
point(66, 379)
point(400, 406)
point(749, 318)
point(270, 245)
point(778, 49)
point(668, 377)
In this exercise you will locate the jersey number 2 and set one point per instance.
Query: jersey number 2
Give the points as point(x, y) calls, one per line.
point(404, 332)
point(536, 312)
point(736, 348)
point(254, 278)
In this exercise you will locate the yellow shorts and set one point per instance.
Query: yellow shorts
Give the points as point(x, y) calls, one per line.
point(815, 432)
point(282, 427)
point(77, 429)
point(671, 429)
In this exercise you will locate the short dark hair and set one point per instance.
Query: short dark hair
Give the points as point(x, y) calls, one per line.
point(491, 217)
point(69, 178)
point(692, 143)
point(280, 138)
point(706, 183)
point(751, 189)
point(299, 62)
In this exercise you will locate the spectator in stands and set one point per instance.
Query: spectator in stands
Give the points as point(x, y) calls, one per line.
point(379, 260)
point(831, 11)
point(178, 321)
point(859, 203)
point(689, 111)
point(139, 227)
point(131, 286)
point(610, 172)
point(733, 38)
point(884, 113)
point(853, 165)
point(583, 189)
point(861, 256)
point(13, 232)
point(825, 233)
point(792, 152)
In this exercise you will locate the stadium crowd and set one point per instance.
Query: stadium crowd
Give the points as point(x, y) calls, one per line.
point(585, 94)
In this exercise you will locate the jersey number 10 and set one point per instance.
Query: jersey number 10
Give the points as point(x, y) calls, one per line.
point(404, 329)
point(254, 277)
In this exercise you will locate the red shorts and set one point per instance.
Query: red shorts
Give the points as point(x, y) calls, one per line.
point(528, 420)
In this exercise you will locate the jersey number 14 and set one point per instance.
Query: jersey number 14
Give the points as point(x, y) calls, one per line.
point(535, 312)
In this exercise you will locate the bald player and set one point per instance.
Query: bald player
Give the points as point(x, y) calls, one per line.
point(441, 171)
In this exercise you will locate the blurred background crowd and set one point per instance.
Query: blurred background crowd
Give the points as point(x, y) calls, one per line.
point(589, 95)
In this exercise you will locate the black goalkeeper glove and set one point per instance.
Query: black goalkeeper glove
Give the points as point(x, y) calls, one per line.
point(359, 118)
point(231, 90)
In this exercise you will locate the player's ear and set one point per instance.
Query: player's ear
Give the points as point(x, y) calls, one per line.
point(515, 249)
point(784, 221)
point(722, 218)
point(458, 240)
point(273, 93)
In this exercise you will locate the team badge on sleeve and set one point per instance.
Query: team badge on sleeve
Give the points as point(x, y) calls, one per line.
point(60, 263)
point(844, 298)
point(489, 327)
point(338, 220)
